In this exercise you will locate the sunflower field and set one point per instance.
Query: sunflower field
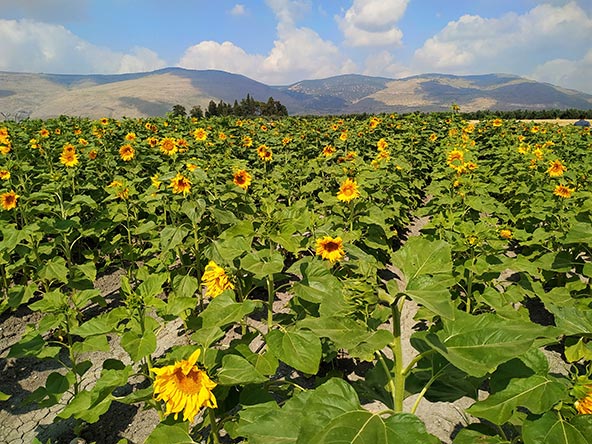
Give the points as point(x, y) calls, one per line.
point(279, 252)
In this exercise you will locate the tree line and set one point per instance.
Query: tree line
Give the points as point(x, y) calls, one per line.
point(247, 107)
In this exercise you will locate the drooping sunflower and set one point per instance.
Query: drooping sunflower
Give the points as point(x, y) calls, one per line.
point(184, 388)
point(4, 174)
point(8, 200)
point(242, 179)
point(127, 152)
point(180, 184)
point(215, 280)
point(330, 248)
point(69, 158)
point(556, 169)
point(168, 146)
point(348, 190)
point(563, 191)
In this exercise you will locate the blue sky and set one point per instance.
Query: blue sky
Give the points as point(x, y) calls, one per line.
point(279, 42)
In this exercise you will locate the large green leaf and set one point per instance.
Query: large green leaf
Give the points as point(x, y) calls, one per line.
point(317, 282)
point(553, 429)
point(300, 349)
point(177, 433)
point(478, 344)
point(223, 310)
point(263, 263)
point(536, 393)
point(427, 273)
point(55, 269)
point(138, 345)
point(237, 370)
point(171, 237)
point(363, 427)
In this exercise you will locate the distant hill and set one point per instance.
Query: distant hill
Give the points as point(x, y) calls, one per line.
point(155, 93)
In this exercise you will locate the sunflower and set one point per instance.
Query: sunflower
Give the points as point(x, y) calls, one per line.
point(152, 141)
point(433, 137)
point(130, 137)
point(242, 179)
point(200, 134)
point(381, 145)
point(69, 158)
point(497, 122)
point(155, 182)
point(505, 234)
point(4, 174)
point(264, 153)
point(348, 190)
point(556, 169)
point(5, 149)
point(374, 122)
point(83, 142)
point(455, 155)
point(127, 152)
point(8, 200)
point(343, 136)
point(215, 280)
point(247, 142)
point(184, 388)
point(330, 248)
point(328, 150)
point(92, 154)
point(563, 191)
point(44, 132)
point(584, 405)
point(168, 146)
point(180, 184)
point(104, 121)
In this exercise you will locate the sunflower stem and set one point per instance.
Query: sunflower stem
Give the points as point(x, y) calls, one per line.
point(214, 426)
point(270, 296)
point(397, 349)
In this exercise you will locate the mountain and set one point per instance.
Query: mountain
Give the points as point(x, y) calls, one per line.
point(155, 93)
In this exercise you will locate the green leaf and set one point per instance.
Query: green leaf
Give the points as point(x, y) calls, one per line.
point(572, 320)
point(536, 393)
point(263, 263)
point(551, 428)
point(317, 282)
point(468, 436)
point(172, 236)
point(223, 310)
point(152, 286)
point(185, 285)
point(57, 383)
point(363, 427)
point(580, 232)
point(207, 336)
point(427, 271)
point(101, 325)
point(138, 345)
point(4, 396)
point(300, 349)
point(237, 370)
point(55, 269)
point(171, 434)
point(478, 344)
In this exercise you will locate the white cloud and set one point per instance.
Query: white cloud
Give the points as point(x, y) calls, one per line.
point(573, 74)
point(519, 44)
point(298, 53)
point(373, 22)
point(53, 49)
point(238, 9)
point(384, 64)
point(289, 11)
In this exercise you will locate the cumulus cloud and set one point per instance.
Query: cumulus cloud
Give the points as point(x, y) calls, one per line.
point(298, 52)
point(575, 74)
point(53, 49)
point(238, 9)
point(383, 63)
point(520, 44)
point(373, 22)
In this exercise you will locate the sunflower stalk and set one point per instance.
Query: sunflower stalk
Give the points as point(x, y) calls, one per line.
point(397, 349)
point(214, 426)
point(270, 297)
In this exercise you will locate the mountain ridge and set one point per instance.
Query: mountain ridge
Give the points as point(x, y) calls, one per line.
point(154, 93)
